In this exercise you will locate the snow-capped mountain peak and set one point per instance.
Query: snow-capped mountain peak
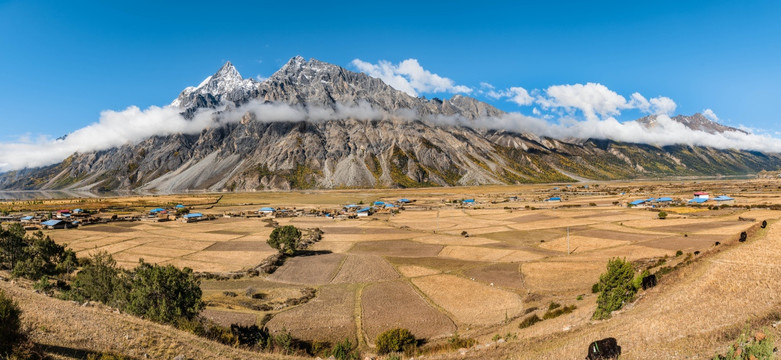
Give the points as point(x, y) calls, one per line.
point(225, 85)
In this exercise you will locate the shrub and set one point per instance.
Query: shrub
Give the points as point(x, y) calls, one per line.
point(595, 288)
point(552, 313)
point(43, 285)
point(394, 340)
point(101, 280)
point(344, 351)
point(616, 288)
point(678, 253)
point(11, 334)
point(284, 341)
point(457, 342)
point(164, 293)
point(285, 239)
point(637, 282)
point(553, 305)
point(250, 335)
point(662, 215)
point(759, 346)
point(529, 321)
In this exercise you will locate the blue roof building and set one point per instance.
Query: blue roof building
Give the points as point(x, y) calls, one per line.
point(637, 202)
point(155, 211)
point(193, 215)
point(28, 218)
point(51, 222)
point(389, 205)
point(366, 209)
point(379, 203)
point(555, 198)
point(404, 201)
point(664, 199)
point(180, 206)
point(267, 209)
point(468, 201)
point(698, 200)
point(723, 198)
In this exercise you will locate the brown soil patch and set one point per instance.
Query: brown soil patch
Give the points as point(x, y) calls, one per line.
point(687, 244)
point(532, 218)
point(504, 275)
point(314, 269)
point(397, 305)
point(695, 227)
point(440, 239)
point(402, 248)
point(327, 317)
point(470, 302)
point(363, 269)
point(437, 263)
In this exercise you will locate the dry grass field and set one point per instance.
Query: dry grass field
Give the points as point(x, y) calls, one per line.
point(438, 267)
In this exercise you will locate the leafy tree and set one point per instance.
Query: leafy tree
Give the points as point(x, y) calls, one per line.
point(662, 215)
point(12, 245)
point(102, 280)
point(394, 340)
point(164, 293)
point(10, 331)
point(43, 256)
point(616, 288)
point(285, 239)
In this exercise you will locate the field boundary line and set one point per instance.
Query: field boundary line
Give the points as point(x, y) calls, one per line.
point(431, 302)
point(358, 316)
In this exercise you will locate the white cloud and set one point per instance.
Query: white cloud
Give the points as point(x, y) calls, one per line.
point(514, 94)
point(663, 106)
point(591, 99)
point(708, 113)
point(408, 76)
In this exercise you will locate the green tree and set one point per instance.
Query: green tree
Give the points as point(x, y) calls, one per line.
point(662, 215)
point(42, 256)
point(615, 287)
point(164, 293)
point(12, 245)
point(394, 340)
point(10, 330)
point(102, 280)
point(285, 239)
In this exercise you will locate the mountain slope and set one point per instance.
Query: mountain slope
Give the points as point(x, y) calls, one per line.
point(400, 150)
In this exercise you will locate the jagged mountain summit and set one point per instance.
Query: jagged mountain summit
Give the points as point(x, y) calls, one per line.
point(695, 122)
point(350, 151)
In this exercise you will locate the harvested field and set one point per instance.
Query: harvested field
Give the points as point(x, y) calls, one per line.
point(696, 227)
point(415, 271)
point(558, 277)
point(314, 269)
point(397, 248)
point(332, 246)
point(364, 269)
point(110, 229)
point(240, 246)
point(437, 263)
point(525, 237)
point(453, 240)
point(615, 235)
point(409, 311)
point(579, 243)
point(532, 218)
point(327, 317)
point(473, 253)
point(468, 301)
point(227, 318)
point(503, 275)
point(687, 244)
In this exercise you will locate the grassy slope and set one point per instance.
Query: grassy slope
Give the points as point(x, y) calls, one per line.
point(66, 330)
point(692, 314)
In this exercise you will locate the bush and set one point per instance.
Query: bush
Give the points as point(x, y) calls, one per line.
point(285, 239)
point(678, 253)
point(529, 321)
point(250, 335)
point(552, 313)
point(35, 255)
point(759, 346)
point(662, 215)
point(457, 342)
point(11, 334)
point(637, 282)
point(616, 288)
point(595, 288)
point(164, 293)
point(394, 340)
point(101, 280)
point(344, 351)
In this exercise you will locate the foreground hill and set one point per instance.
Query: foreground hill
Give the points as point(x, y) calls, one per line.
point(411, 145)
point(66, 330)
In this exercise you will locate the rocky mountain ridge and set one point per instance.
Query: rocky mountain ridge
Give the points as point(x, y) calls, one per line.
point(253, 154)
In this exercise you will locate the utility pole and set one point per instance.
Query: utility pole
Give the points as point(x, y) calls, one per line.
point(567, 240)
point(436, 228)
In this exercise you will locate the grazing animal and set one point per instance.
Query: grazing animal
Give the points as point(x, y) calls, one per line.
point(743, 236)
point(604, 349)
point(697, 252)
point(764, 224)
point(717, 243)
point(649, 281)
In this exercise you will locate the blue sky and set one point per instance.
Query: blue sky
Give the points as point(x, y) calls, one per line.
point(65, 62)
